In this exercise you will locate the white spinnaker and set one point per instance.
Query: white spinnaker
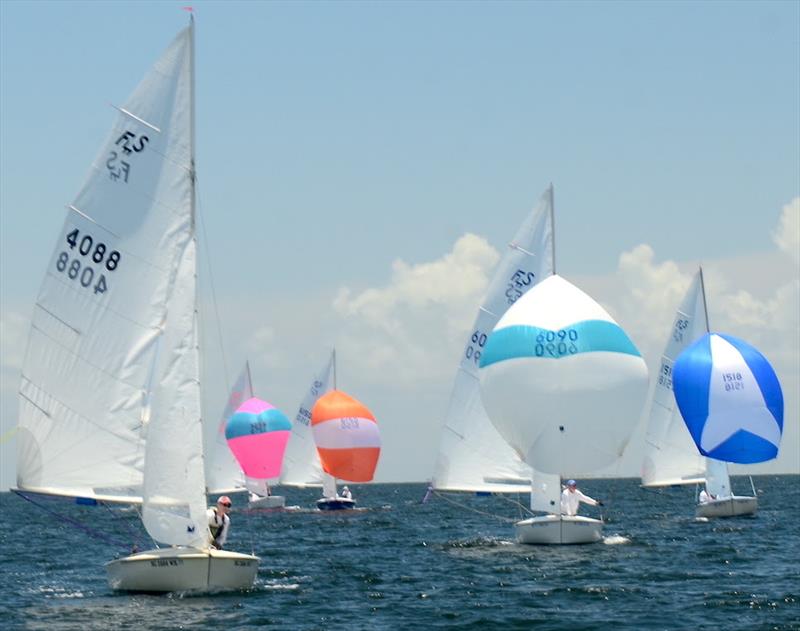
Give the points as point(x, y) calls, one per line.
point(472, 455)
point(671, 456)
point(301, 465)
point(105, 298)
point(570, 408)
point(223, 473)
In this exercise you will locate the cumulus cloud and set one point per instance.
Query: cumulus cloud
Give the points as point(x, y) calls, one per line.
point(787, 234)
point(414, 326)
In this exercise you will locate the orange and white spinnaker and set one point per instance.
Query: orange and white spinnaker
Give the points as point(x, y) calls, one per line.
point(347, 437)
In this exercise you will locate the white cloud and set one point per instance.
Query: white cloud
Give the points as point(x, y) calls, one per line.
point(13, 333)
point(787, 234)
point(413, 327)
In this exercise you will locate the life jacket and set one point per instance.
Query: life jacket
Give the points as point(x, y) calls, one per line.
point(216, 528)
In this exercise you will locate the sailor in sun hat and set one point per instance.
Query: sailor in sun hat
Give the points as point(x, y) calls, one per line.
point(219, 524)
point(571, 498)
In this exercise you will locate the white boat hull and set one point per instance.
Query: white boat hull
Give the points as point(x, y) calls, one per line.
point(728, 507)
point(559, 530)
point(182, 569)
point(270, 501)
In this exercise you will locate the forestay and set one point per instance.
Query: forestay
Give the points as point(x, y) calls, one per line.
point(472, 455)
point(670, 455)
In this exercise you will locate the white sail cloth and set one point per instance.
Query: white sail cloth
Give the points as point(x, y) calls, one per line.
point(670, 455)
point(561, 381)
point(472, 455)
point(110, 388)
point(301, 464)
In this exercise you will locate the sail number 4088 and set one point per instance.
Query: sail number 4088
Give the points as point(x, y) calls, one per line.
point(78, 267)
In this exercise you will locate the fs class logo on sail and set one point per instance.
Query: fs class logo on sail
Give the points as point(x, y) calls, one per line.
point(518, 284)
point(85, 252)
point(128, 144)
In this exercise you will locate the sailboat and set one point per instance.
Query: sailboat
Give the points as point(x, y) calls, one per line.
point(472, 455)
point(564, 386)
point(333, 435)
point(732, 404)
point(257, 434)
point(110, 405)
point(240, 444)
point(348, 443)
point(671, 457)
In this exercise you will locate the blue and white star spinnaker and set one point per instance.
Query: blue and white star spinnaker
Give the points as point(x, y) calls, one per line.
point(561, 381)
point(730, 399)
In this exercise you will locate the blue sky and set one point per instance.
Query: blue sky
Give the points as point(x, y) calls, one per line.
point(346, 149)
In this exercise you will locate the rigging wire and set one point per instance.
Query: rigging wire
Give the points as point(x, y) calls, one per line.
point(474, 510)
point(215, 304)
point(93, 532)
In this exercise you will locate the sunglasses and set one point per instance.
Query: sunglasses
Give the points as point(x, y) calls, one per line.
point(225, 504)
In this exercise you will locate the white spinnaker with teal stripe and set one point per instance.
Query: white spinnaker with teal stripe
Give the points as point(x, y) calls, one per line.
point(561, 381)
point(472, 455)
point(670, 456)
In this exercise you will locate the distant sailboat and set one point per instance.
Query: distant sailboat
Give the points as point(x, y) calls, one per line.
point(348, 442)
point(564, 386)
point(671, 457)
point(257, 434)
point(731, 401)
point(472, 455)
point(110, 405)
point(333, 436)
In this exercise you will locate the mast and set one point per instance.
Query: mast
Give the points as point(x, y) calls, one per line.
point(249, 378)
point(192, 167)
point(334, 368)
point(552, 227)
point(703, 293)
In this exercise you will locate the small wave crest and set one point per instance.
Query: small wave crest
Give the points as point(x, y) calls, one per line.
point(615, 540)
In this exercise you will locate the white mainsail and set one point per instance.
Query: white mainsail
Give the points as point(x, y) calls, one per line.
point(472, 455)
point(671, 457)
point(110, 393)
point(223, 473)
point(301, 464)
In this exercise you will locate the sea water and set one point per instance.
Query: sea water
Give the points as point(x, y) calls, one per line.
point(449, 563)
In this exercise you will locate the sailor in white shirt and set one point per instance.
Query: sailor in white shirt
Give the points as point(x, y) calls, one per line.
point(219, 523)
point(705, 497)
point(571, 497)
